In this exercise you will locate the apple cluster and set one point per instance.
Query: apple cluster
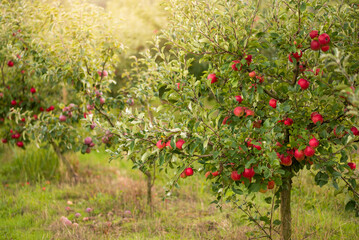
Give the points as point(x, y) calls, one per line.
point(319, 41)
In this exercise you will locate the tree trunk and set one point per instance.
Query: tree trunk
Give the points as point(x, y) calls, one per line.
point(67, 163)
point(149, 188)
point(285, 211)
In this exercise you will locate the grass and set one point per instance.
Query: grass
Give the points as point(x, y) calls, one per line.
point(112, 189)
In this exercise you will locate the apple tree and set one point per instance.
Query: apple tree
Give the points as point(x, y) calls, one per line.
point(51, 56)
point(279, 96)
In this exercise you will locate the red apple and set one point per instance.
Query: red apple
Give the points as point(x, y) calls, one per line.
point(88, 150)
point(355, 131)
point(234, 65)
point(271, 184)
point(179, 144)
point(286, 161)
point(313, 34)
point(4, 140)
point(315, 45)
point(239, 99)
point(325, 48)
point(252, 74)
point(33, 90)
point(288, 121)
point(273, 103)
point(303, 83)
point(188, 171)
point(238, 111)
point(249, 59)
point(235, 176)
point(299, 155)
point(13, 102)
point(207, 174)
point(313, 142)
point(10, 63)
point(212, 77)
point(248, 173)
point(160, 145)
point(102, 100)
point(62, 118)
point(215, 174)
point(168, 144)
point(183, 175)
point(88, 140)
point(316, 117)
point(257, 124)
point(249, 112)
point(297, 55)
point(225, 120)
point(20, 144)
point(104, 73)
point(352, 165)
point(309, 151)
point(324, 39)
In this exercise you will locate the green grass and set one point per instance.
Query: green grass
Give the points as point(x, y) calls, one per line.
point(31, 212)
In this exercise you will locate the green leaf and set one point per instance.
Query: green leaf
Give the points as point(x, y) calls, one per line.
point(321, 178)
point(350, 206)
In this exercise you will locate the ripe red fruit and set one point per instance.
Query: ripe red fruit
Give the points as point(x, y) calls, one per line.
point(313, 142)
point(90, 107)
point(248, 173)
point(41, 109)
point(303, 83)
point(13, 102)
point(207, 174)
point(179, 144)
point(257, 147)
point(35, 116)
point(355, 131)
point(340, 135)
point(88, 140)
point(352, 165)
point(289, 58)
point(288, 122)
point(316, 117)
point(324, 39)
point(4, 140)
point(297, 55)
point(249, 59)
point(20, 144)
point(160, 145)
point(102, 100)
point(238, 111)
point(62, 118)
point(234, 65)
point(252, 74)
point(249, 112)
point(88, 150)
point(239, 99)
point(313, 34)
point(168, 144)
point(104, 73)
point(299, 155)
point(315, 45)
point(235, 176)
point(50, 108)
point(309, 151)
point(325, 48)
point(178, 86)
point(212, 77)
point(273, 103)
point(10, 63)
point(271, 184)
point(188, 171)
point(215, 174)
point(286, 161)
point(183, 175)
point(33, 90)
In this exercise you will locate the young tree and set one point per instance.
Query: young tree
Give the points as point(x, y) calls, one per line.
point(47, 49)
point(274, 100)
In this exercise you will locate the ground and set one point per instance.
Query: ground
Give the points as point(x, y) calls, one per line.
point(117, 195)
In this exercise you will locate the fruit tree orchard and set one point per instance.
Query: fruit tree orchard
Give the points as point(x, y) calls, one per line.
point(279, 96)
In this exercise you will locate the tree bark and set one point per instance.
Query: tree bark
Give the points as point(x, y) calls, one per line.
point(149, 188)
point(285, 211)
point(67, 163)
